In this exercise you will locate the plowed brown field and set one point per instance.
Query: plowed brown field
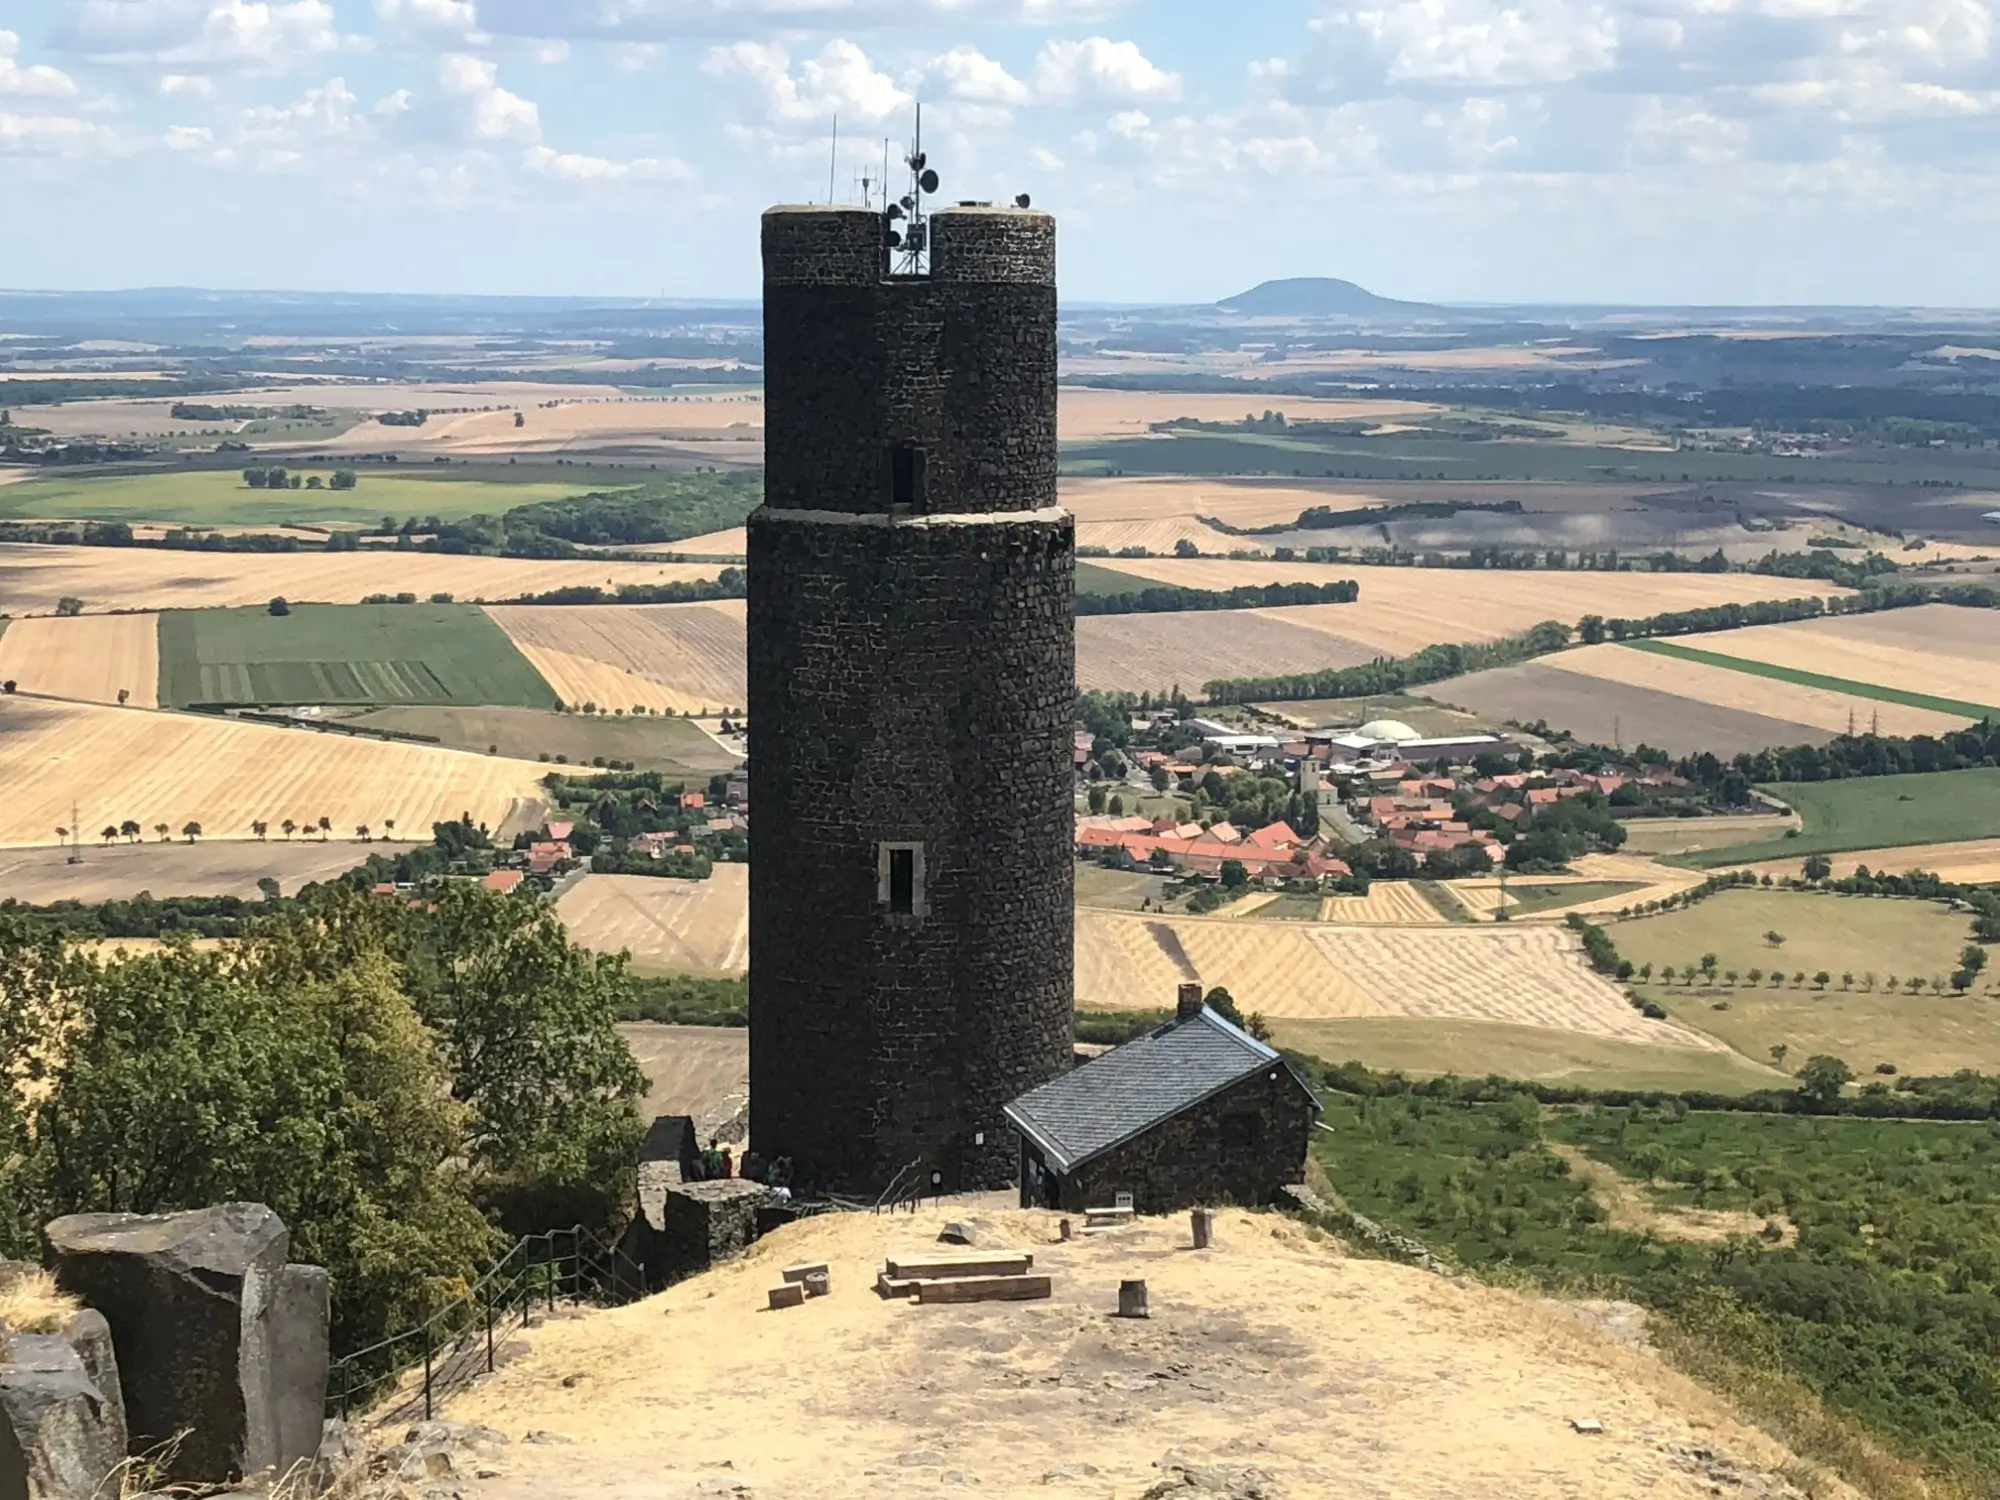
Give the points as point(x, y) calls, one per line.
point(681, 657)
point(33, 578)
point(224, 773)
point(92, 657)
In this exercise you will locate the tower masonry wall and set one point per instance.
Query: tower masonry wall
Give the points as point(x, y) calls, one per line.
point(912, 679)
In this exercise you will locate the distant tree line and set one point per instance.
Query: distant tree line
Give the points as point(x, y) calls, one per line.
point(1170, 598)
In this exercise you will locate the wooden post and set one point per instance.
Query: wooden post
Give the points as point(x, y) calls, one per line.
point(1064, 1229)
point(1204, 1227)
point(1132, 1300)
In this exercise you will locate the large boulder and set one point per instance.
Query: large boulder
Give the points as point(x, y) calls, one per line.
point(221, 1345)
point(61, 1436)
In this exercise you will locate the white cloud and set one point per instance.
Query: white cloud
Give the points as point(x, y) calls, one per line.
point(263, 36)
point(492, 113)
point(966, 73)
point(194, 85)
point(572, 166)
point(456, 21)
point(53, 135)
point(840, 80)
point(188, 138)
point(1098, 70)
point(38, 81)
point(1480, 43)
point(666, 20)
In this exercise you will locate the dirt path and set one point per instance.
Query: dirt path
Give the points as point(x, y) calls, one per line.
point(1272, 1362)
point(1637, 1211)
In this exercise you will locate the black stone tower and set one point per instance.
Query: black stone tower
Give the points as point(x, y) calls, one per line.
point(912, 677)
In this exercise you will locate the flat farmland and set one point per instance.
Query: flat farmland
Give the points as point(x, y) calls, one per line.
point(152, 416)
point(1968, 862)
point(1405, 609)
point(1939, 650)
point(1720, 687)
point(1875, 812)
point(702, 1071)
point(1238, 502)
point(1155, 651)
point(218, 497)
point(1087, 414)
point(1618, 713)
point(119, 871)
point(91, 657)
point(1531, 976)
point(680, 658)
point(1388, 902)
point(678, 747)
point(172, 768)
point(33, 578)
point(671, 926)
point(344, 654)
point(724, 426)
point(1690, 835)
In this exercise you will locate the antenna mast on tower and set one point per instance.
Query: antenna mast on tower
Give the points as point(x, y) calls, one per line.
point(909, 247)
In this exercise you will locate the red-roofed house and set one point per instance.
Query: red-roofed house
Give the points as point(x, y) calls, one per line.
point(561, 831)
point(693, 800)
point(503, 881)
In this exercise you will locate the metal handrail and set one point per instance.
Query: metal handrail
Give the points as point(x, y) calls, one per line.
point(459, 1340)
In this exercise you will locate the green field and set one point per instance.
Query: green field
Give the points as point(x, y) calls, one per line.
point(219, 497)
point(1527, 898)
point(344, 653)
point(1862, 943)
point(1970, 711)
point(672, 746)
point(1096, 578)
point(1874, 812)
point(1857, 1297)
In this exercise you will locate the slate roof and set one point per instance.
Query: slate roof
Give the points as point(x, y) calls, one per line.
point(1130, 1089)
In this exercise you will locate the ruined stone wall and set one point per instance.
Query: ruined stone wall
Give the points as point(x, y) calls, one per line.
point(1198, 1158)
point(912, 680)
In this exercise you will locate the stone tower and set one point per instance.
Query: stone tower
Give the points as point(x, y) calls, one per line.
point(912, 680)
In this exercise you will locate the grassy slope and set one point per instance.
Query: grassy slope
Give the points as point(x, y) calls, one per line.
point(1860, 936)
point(1095, 578)
point(1875, 812)
point(216, 497)
point(672, 746)
point(344, 653)
point(1817, 680)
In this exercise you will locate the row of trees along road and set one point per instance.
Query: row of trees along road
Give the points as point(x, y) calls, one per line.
point(409, 1087)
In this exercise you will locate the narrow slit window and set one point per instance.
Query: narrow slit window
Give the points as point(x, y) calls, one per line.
point(902, 882)
point(906, 478)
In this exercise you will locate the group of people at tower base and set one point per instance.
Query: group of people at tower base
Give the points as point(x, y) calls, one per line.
point(716, 1162)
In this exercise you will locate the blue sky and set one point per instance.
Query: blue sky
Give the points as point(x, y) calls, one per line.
point(1723, 151)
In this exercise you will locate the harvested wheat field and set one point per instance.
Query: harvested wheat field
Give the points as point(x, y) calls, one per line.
point(118, 871)
point(91, 657)
point(1273, 1364)
point(1404, 609)
point(727, 426)
point(680, 926)
point(1085, 414)
point(1720, 687)
point(224, 774)
point(33, 578)
point(1531, 976)
point(1390, 902)
point(687, 658)
point(700, 1071)
point(1973, 862)
point(1237, 502)
point(1941, 650)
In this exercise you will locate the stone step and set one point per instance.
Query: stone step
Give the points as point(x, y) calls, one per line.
point(943, 1267)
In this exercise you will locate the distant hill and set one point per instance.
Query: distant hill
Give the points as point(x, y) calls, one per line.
point(1318, 297)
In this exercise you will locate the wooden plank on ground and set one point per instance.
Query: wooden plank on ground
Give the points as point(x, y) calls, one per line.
point(940, 1267)
point(984, 1289)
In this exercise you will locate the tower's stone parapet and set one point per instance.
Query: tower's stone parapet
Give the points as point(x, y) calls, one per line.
point(912, 673)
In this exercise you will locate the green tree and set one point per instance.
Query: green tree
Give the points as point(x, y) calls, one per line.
point(345, 479)
point(1094, 799)
point(1778, 1054)
point(1234, 876)
point(1775, 938)
point(278, 606)
point(190, 830)
point(1971, 961)
point(1821, 1078)
point(1817, 867)
point(68, 606)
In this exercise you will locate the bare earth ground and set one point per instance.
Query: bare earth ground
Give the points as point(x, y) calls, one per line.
point(1615, 713)
point(91, 657)
point(119, 871)
point(1270, 1352)
point(1155, 651)
point(33, 578)
point(1686, 835)
point(677, 926)
point(1723, 687)
point(702, 1071)
point(154, 767)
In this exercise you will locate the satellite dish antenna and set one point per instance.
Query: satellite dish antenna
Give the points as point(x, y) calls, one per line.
point(1020, 200)
point(913, 240)
point(928, 181)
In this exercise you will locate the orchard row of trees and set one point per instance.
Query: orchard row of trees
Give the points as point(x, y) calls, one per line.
point(277, 477)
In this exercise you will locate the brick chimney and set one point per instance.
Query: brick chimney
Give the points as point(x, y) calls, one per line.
point(1188, 1005)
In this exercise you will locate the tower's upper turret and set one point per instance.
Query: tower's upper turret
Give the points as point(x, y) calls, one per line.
point(918, 395)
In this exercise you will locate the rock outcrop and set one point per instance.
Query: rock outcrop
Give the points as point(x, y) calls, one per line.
point(220, 1344)
point(62, 1432)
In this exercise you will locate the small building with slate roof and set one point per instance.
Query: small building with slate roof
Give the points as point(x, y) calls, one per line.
point(1195, 1112)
